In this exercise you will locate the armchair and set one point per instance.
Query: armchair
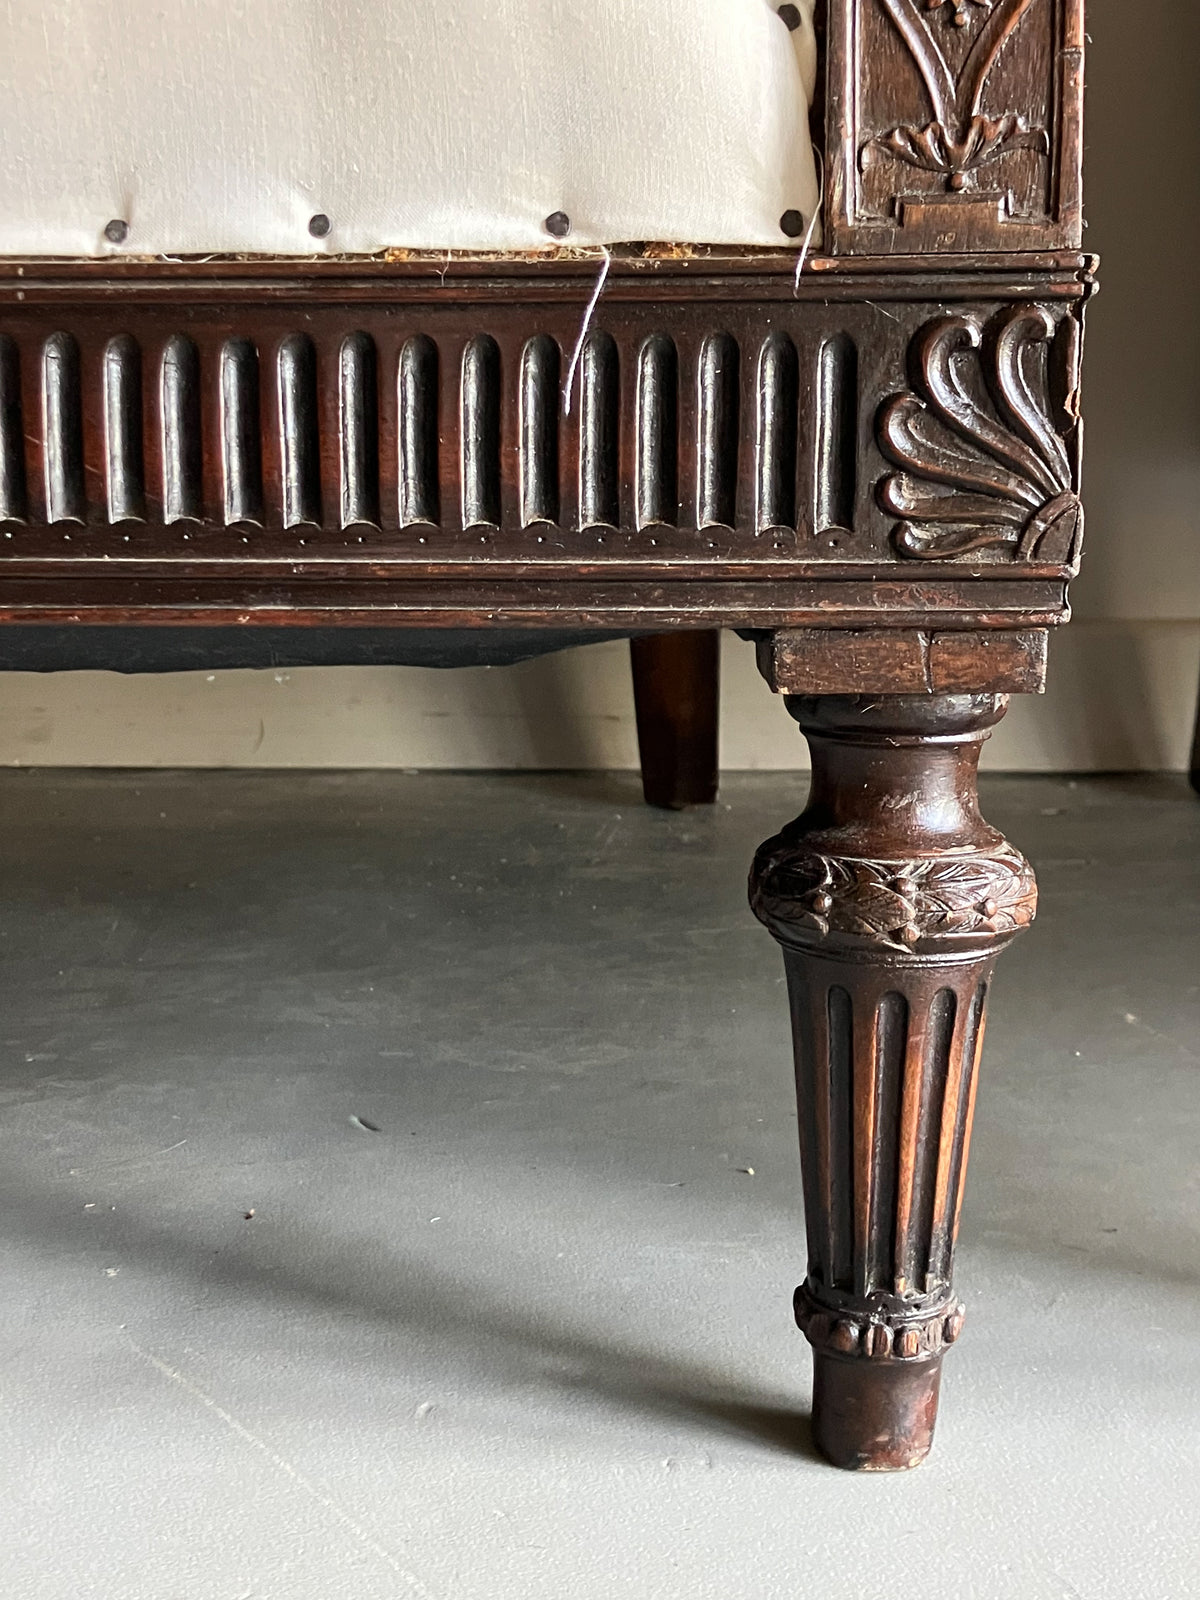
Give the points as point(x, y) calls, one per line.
point(854, 438)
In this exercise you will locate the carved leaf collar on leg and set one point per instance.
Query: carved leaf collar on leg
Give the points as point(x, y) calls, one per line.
point(805, 895)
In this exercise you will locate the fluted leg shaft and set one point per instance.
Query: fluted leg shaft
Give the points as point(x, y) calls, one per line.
point(891, 897)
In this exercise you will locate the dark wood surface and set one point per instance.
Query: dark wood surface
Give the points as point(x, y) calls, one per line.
point(902, 661)
point(676, 693)
point(873, 464)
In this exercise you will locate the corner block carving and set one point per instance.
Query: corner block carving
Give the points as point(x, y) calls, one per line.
point(987, 438)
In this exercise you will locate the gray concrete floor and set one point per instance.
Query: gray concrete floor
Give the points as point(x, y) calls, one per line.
point(376, 1221)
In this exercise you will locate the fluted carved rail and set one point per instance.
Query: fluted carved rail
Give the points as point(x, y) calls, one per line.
point(376, 432)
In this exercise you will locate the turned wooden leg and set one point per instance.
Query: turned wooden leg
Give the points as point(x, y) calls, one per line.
point(676, 680)
point(891, 897)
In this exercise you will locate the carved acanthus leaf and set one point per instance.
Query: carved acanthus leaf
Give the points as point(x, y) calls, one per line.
point(897, 904)
point(934, 148)
point(984, 464)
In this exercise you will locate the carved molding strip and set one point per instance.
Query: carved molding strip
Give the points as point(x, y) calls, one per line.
point(960, 139)
point(985, 465)
point(807, 897)
point(356, 430)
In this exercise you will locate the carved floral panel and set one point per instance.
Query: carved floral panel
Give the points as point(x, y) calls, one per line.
point(955, 124)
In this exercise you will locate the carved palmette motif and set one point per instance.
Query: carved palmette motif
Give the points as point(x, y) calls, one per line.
point(960, 139)
point(983, 442)
point(955, 126)
point(802, 892)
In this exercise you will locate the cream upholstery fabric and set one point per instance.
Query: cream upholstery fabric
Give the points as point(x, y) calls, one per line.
point(226, 125)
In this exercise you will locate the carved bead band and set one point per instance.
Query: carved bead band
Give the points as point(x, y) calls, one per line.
point(876, 1336)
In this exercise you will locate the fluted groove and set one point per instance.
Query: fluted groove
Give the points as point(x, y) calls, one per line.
point(719, 425)
point(540, 376)
point(125, 469)
point(481, 400)
point(599, 433)
point(657, 491)
point(299, 435)
point(864, 1071)
point(886, 1093)
point(964, 1118)
point(777, 434)
point(926, 1065)
point(241, 438)
point(965, 1043)
point(890, 1047)
point(420, 496)
point(179, 409)
point(62, 425)
point(14, 494)
point(839, 1011)
point(836, 434)
point(358, 412)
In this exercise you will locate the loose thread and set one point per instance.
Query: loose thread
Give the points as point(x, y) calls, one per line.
point(569, 385)
point(808, 233)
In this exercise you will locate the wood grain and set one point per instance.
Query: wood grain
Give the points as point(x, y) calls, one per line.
point(903, 661)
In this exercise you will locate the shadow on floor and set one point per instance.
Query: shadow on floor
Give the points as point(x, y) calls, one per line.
point(513, 1349)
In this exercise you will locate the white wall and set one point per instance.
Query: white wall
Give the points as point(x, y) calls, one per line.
point(1123, 677)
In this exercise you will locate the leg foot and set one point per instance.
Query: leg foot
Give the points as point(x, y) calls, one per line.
point(874, 1417)
point(891, 897)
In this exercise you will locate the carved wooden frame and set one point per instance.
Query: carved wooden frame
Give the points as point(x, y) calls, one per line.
point(871, 449)
point(872, 464)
